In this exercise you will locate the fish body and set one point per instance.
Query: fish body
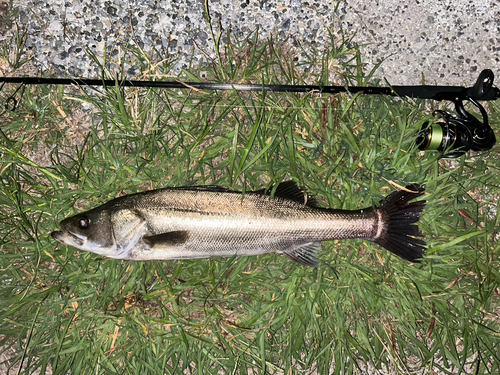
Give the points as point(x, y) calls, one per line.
point(202, 222)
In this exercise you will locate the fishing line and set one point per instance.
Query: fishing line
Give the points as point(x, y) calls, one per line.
point(452, 135)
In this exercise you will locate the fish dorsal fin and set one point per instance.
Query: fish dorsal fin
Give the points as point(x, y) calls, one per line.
point(307, 254)
point(292, 191)
point(175, 238)
point(286, 190)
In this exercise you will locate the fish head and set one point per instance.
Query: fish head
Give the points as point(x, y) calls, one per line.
point(90, 231)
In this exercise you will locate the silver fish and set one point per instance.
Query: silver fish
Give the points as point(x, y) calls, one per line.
point(210, 221)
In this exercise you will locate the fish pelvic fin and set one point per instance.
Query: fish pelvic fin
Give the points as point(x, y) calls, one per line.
point(399, 233)
point(306, 254)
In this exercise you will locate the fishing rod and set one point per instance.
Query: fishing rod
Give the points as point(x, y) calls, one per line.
point(453, 135)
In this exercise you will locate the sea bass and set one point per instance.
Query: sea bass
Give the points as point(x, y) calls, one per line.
point(212, 221)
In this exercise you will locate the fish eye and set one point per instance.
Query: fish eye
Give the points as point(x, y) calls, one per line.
point(83, 222)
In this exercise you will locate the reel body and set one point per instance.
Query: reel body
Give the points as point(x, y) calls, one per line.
point(456, 134)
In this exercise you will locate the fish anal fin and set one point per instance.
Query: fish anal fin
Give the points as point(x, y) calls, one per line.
point(307, 254)
point(175, 238)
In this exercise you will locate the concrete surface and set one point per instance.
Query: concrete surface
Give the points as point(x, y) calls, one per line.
point(447, 41)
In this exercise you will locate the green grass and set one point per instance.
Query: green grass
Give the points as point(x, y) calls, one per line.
point(71, 311)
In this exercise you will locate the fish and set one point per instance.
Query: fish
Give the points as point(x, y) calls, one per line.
point(213, 221)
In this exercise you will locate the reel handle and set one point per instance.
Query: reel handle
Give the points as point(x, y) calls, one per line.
point(483, 85)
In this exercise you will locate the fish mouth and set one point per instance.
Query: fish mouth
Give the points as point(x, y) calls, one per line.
point(56, 235)
point(67, 238)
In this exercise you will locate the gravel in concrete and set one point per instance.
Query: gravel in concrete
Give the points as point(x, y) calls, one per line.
point(447, 41)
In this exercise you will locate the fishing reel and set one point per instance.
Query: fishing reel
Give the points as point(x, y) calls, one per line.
point(454, 135)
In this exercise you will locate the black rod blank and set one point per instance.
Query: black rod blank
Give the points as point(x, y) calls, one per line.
point(452, 93)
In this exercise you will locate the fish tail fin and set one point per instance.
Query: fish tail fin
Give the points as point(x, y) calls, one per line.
point(400, 234)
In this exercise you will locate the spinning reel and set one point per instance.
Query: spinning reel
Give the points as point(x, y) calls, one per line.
point(453, 136)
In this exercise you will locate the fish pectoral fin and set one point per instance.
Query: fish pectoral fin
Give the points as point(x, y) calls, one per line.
point(306, 254)
point(128, 228)
point(175, 238)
